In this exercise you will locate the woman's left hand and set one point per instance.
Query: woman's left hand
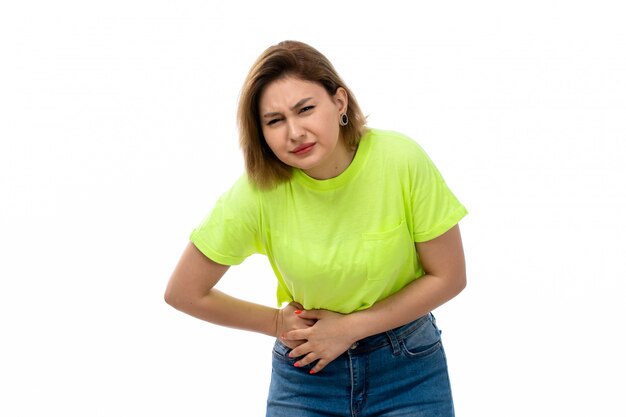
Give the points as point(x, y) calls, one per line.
point(328, 338)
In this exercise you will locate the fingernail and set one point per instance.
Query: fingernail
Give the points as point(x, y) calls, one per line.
point(312, 371)
point(297, 364)
point(297, 312)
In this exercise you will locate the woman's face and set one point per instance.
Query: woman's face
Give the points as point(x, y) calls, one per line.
point(300, 122)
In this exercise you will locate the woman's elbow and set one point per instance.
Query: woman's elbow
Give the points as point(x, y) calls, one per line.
point(169, 297)
point(460, 282)
point(174, 296)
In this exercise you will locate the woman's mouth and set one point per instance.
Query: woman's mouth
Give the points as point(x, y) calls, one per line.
point(303, 149)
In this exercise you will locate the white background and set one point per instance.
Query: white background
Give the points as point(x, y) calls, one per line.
point(117, 129)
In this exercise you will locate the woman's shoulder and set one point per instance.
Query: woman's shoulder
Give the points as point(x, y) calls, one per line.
point(247, 192)
point(241, 192)
point(393, 144)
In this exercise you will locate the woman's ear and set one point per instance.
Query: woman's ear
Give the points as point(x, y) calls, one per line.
point(341, 99)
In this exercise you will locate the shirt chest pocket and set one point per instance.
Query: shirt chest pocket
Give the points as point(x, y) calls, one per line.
point(389, 254)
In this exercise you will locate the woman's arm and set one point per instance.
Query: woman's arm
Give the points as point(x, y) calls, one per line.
point(444, 263)
point(190, 290)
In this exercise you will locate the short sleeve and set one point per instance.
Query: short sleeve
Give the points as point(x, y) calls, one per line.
point(230, 232)
point(435, 209)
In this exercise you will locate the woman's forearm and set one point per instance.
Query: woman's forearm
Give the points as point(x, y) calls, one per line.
point(415, 300)
point(222, 309)
point(444, 263)
point(191, 290)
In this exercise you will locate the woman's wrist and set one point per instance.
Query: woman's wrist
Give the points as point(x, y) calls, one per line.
point(359, 325)
point(279, 322)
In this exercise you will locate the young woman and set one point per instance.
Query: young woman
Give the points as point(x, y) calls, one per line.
point(361, 232)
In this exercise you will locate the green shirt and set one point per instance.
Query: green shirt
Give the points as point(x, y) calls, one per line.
point(344, 243)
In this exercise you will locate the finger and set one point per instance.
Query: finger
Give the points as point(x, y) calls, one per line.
point(307, 322)
point(321, 364)
point(308, 314)
point(298, 351)
point(304, 361)
point(296, 305)
point(298, 334)
point(303, 315)
point(292, 344)
point(293, 322)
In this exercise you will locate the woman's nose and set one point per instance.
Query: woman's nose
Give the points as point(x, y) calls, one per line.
point(295, 130)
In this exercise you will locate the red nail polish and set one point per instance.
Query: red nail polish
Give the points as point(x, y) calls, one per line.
point(312, 371)
point(297, 364)
point(297, 312)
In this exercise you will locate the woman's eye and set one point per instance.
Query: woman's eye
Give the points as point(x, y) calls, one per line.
point(307, 108)
point(273, 121)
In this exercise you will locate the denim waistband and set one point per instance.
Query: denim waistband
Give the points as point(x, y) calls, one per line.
point(390, 337)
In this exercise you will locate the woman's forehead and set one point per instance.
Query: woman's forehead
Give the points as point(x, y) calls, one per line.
point(288, 91)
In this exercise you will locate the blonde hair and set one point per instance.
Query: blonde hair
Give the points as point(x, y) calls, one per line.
point(294, 59)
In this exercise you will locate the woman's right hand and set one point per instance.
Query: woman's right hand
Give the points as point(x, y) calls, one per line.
point(288, 320)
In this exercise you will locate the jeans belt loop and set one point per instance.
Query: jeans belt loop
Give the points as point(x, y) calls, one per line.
point(395, 343)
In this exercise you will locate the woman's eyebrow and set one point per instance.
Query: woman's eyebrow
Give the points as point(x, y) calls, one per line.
point(295, 106)
point(300, 103)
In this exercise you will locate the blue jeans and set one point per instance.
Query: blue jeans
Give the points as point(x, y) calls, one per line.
point(402, 372)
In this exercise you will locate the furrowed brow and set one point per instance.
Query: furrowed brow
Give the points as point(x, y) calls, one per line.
point(300, 103)
point(295, 106)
